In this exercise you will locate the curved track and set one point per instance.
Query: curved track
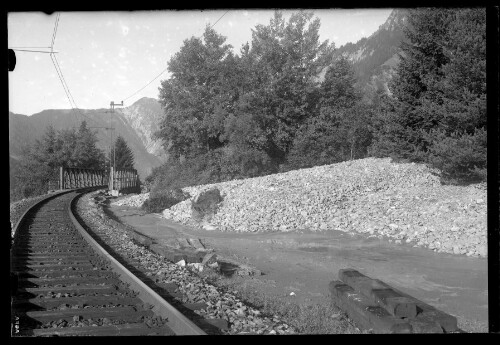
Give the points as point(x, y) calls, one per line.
point(68, 285)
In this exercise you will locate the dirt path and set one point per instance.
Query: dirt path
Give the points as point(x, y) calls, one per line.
point(304, 263)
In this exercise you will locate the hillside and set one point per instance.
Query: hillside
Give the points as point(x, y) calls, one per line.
point(24, 130)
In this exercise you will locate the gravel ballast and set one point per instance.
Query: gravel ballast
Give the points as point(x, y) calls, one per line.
point(17, 209)
point(219, 304)
point(401, 202)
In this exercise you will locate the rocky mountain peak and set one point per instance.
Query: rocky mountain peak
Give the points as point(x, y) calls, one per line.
point(144, 117)
point(396, 20)
point(375, 58)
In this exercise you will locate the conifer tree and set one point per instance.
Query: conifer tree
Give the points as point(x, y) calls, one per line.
point(67, 148)
point(85, 151)
point(124, 157)
point(438, 111)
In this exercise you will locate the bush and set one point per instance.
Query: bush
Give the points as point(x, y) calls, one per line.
point(317, 143)
point(334, 136)
point(459, 156)
point(215, 166)
point(244, 163)
point(166, 199)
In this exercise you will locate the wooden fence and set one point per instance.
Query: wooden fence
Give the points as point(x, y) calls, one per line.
point(80, 178)
point(123, 180)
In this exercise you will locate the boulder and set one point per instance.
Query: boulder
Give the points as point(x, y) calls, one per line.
point(206, 204)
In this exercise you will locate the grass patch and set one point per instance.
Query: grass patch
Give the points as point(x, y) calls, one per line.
point(305, 319)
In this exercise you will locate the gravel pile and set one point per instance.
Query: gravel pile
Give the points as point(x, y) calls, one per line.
point(135, 200)
point(402, 202)
point(241, 318)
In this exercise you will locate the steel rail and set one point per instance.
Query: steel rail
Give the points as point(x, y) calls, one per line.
point(179, 323)
point(176, 321)
point(21, 219)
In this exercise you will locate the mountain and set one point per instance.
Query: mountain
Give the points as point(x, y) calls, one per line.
point(24, 130)
point(375, 57)
point(144, 116)
point(21, 130)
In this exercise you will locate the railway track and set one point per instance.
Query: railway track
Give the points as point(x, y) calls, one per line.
point(66, 284)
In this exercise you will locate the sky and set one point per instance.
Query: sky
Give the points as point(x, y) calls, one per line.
point(110, 56)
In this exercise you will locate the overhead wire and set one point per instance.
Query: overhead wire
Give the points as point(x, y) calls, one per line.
point(142, 88)
point(60, 79)
point(220, 18)
point(61, 75)
point(63, 81)
point(58, 68)
point(146, 84)
point(55, 31)
point(32, 51)
point(29, 47)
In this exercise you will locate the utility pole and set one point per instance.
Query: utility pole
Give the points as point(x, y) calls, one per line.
point(112, 106)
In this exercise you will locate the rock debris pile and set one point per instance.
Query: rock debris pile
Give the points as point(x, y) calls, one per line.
point(401, 202)
point(132, 201)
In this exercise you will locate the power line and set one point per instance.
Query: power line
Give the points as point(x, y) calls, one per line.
point(29, 47)
point(142, 88)
point(55, 31)
point(61, 75)
point(33, 51)
point(58, 68)
point(61, 79)
point(219, 18)
point(64, 81)
point(66, 89)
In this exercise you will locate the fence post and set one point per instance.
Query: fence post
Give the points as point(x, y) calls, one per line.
point(61, 178)
point(111, 180)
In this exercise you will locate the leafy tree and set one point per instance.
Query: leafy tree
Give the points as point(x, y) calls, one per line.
point(124, 157)
point(233, 116)
point(197, 97)
point(286, 57)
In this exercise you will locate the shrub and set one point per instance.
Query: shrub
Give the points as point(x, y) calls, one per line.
point(244, 163)
point(160, 201)
point(459, 156)
point(215, 166)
